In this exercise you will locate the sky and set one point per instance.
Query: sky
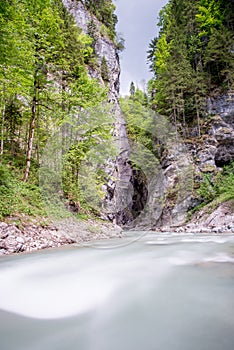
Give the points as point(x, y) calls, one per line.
point(137, 23)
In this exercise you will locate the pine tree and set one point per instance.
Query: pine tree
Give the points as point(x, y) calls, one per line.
point(191, 57)
point(132, 89)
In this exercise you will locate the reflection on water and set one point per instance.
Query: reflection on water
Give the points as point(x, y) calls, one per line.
point(160, 292)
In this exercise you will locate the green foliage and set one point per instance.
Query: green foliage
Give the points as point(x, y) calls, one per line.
point(192, 57)
point(119, 43)
point(162, 53)
point(44, 82)
point(104, 70)
point(208, 189)
point(73, 164)
point(17, 197)
point(83, 174)
point(220, 186)
point(104, 12)
point(43, 56)
point(151, 53)
point(93, 32)
point(210, 16)
point(139, 118)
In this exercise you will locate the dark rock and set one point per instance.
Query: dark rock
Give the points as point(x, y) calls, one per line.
point(4, 235)
point(3, 225)
point(225, 154)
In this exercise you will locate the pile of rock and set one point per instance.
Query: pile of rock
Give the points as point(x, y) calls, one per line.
point(200, 228)
point(29, 238)
point(209, 220)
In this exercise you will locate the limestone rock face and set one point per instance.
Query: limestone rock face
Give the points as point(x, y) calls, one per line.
point(104, 47)
point(218, 220)
point(222, 105)
point(222, 128)
point(118, 198)
point(207, 154)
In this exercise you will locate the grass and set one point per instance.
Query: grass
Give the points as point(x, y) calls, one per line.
point(28, 202)
point(18, 197)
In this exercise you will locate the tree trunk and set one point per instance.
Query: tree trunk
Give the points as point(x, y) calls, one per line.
point(31, 132)
point(38, 136)
point(198, 116)
point(2, 133)
point(175, 116)
point(3, 119)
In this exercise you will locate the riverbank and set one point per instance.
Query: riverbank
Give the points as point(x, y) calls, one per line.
point(210, 219)
point(24, 237)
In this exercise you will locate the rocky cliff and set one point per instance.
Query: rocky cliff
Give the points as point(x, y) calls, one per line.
point(119, 188)
point(164, 197)
point(104, 47)
point(171, 186)
point(208, 155)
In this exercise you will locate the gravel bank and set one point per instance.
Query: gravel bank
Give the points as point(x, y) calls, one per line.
point(27, 238)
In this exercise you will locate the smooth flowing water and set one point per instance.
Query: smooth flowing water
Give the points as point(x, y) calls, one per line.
point(160, 292)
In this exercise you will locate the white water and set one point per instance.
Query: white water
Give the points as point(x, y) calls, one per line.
point(162, 291)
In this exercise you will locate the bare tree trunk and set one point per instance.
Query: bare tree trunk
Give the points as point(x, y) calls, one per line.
point(3, 118)
point(31, 132)
point(38, 137)
point(198, 116)
point(175, 116)
point(2, 133)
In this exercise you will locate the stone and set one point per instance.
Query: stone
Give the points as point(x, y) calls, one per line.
point(4, 235)
point(20, 240)
point(3, 225)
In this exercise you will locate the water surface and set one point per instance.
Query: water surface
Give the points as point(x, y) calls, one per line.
point(146, 291)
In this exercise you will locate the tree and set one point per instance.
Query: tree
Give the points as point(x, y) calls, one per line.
point(15, 58)
point(45, 28)
point(43, 75)
point(192, 57)
point(132, 89)
point(151, 54)
point(104, 70)
point(45, 85)
point(104, 11)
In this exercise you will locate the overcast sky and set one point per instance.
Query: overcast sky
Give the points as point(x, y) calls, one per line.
point(138, 25)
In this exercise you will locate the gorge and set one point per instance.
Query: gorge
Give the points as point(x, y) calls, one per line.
point(134, 194)
point(156, 177)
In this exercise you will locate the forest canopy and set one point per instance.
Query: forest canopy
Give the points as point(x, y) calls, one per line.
point(192, 57)
point(44, 82)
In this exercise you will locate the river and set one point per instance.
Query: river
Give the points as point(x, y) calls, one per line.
point(146, 291)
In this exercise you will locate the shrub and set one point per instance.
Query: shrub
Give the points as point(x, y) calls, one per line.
point(221, 185)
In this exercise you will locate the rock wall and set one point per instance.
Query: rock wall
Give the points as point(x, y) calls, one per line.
point(118, 198)
point(104, 47)
point(170, 192)
point(222, 105)
point(222, 128)
point(216, 147)
point(185, 161)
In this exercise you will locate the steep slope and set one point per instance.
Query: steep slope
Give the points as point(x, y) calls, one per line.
point(192, 62)
point(119, 188)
